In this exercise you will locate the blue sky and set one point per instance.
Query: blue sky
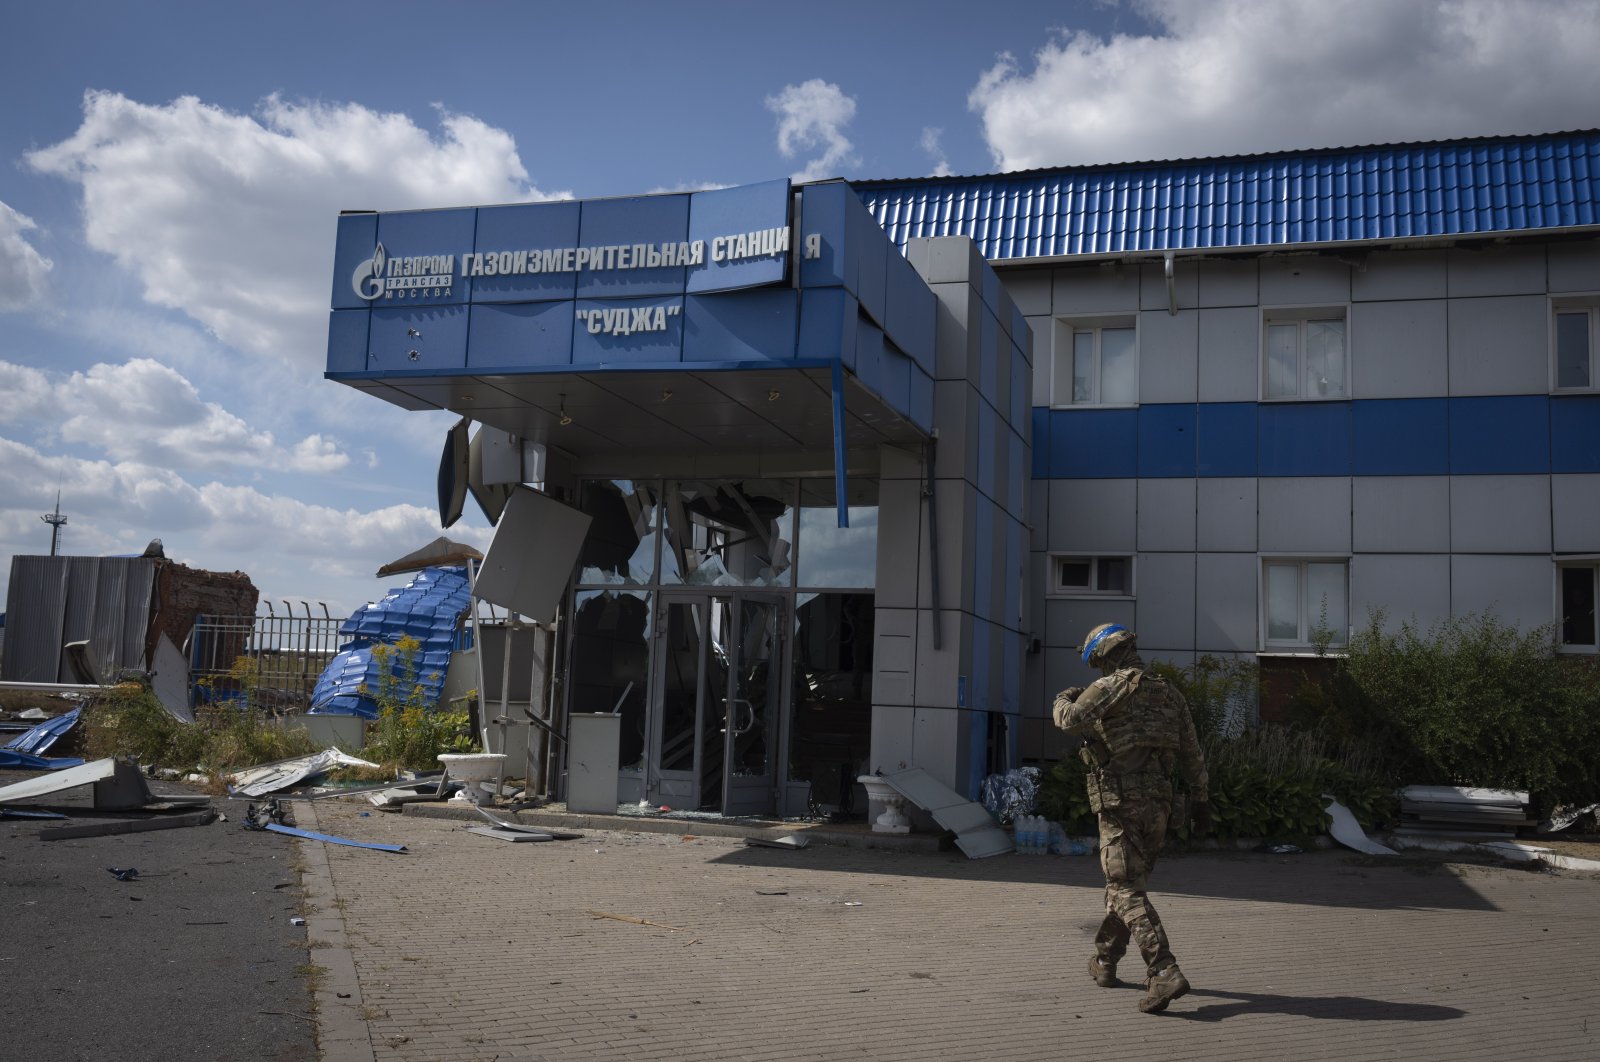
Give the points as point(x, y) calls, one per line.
point(173, 170)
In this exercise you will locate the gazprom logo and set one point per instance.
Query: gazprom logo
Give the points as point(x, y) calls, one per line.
point(421, 276)
point(368, 277)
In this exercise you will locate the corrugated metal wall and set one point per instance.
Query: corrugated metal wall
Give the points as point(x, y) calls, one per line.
point(1394, 192)
point(55, 600)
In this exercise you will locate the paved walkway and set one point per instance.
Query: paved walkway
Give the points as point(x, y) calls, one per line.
point(470, 948)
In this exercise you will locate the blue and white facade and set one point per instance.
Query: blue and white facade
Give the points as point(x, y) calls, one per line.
point(1229, 403)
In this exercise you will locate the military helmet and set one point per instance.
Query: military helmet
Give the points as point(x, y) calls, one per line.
point(1103, 640)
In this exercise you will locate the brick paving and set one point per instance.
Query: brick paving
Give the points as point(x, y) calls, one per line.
point(475, 949)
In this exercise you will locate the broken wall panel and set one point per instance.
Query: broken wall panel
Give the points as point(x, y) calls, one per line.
point(54, 600)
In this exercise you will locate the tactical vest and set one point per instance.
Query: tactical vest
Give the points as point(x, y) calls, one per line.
point(1134, 746)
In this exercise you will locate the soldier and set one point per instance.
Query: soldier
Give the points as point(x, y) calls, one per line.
point(1136, 728)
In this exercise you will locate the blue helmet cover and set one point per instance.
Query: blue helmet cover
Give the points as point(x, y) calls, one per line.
point(1102, 636)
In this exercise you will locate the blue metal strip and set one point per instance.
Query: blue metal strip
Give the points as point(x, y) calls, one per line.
point(313, 836)
point(841, 495)
point(400, 378)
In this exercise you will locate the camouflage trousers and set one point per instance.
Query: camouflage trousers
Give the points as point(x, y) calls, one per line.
point(1130, 840)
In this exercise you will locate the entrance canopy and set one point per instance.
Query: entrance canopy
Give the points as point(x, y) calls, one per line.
point(756, 319)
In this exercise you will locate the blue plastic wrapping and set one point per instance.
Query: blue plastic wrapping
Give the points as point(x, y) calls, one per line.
point(1009, 795)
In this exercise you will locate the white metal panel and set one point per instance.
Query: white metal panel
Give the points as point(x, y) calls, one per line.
point(1400, 275)
point(1185, 284)
point(1164, 617)
point(1094, 515)
point(899, 545)
point(1575, 510)
point(1517, 590)
point(1227, 282)
point(1574, 266)
point(1069, 619)
point(1401, 514)
point(1225, 514)
point(1409, 586)
point(531, 556)
point(1304, 280)
point(1166, 514)
point(1399, 349)
point(1499, 346)
point(1305, 515)
point(1169, 352)
point(1500, 514)
point(1230, 354)
point(1030, 289)
point(1225, 602)
point(1100, 287)
point(1496, 270)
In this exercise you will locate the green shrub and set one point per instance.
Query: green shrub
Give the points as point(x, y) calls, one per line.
point(411, 731)
point(129, 722)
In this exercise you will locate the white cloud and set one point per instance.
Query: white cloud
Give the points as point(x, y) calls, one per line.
point(143, 412)
point(23, 269)
point(230, 217)
point(289, 548)
point(1231, 76)
point(813, 115)
point(931, 135)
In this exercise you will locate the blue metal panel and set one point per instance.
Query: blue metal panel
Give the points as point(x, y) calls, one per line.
point(526, 227)
point(1304, 439)
point(871, 251)
point(1227, 439)
point(439, 339)
point(912, 312)
point(1016, 474)
point(989, 355)
point(1501, 435)
point(894, 372)
point(1401, 437)
point(1021, 386)
point(347, 340)
point(978, 677)
point(1011, 672)
point(358, 236)
point(426, 233)
point(1015, 572)
point(639, 348)
point(656, 219)
point(730, 211)
point(1575, 433)
point(921, 410)
point(748, 326)
point(1039, 467)
point(1093, 443)
point(1496, 184)
point(983, 566)
point(823, 214)
point(1167, 436)
point(869, 355)
point(828, 319)
point(520, 335)
point(988, 425)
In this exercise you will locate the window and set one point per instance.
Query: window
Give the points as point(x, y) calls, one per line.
point(1096, 362)
point(1576, 342)
point(1091, 576)
point(1305, 354)
point(1576, 590)
point(1304, 601)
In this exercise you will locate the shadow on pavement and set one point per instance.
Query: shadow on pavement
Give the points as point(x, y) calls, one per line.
point(1343, 1008)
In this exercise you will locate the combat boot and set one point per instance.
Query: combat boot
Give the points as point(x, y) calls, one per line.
point(1103, 972)
point(1162, 988)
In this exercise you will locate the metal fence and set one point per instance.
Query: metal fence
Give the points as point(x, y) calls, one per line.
point(270, 662)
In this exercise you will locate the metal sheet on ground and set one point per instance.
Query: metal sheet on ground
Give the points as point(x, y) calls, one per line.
point(59, 781)
point(976, 833)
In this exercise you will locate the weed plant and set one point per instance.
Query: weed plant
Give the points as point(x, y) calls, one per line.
point(410, 731)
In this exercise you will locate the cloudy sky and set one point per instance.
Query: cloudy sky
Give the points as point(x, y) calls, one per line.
point(172, 172)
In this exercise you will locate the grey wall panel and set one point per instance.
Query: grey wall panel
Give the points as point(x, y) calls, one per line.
point(1030, 289)
point(938, 670)
point(1575, 266)
point(900, 522)
point(1033, 594)
point(1496, 271)
point(1500, 514)
point(1038, 512)
point(1575, 513)
point(1044, 340)
point(1068, 619)
point(1403, 587)
point(1229, 283)
point(955, 412)
point(1304, 280)
point(1164, 617)
point(1230, 354)
point(1225, 602)
point(1063, 668)
point(36, 604)
point(1519, 590)
point(1399, 349)
point(1166, 514)
point(1400, 275)
point(1305, 515)
point(1185, 284)
point(1100, 287)
point(1225, 514)
point(1498, 346)
point(1093, 515)
point(892, 736)
point(937, 741)
point(1400, 514)
point(1169, 349)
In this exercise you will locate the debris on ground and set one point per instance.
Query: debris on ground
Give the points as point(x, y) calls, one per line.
point(1462, 813)
point(272, 777)
point(269, 817)
point(1008, 795)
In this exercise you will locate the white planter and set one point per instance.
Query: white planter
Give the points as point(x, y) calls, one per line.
point(893, 818)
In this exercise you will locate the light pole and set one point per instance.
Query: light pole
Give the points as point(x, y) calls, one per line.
point(56, 522)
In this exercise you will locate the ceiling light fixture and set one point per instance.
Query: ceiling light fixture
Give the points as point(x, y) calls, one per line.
point(565, 417)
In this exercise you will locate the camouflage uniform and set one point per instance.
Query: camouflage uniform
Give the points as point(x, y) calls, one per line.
point(1137, 729)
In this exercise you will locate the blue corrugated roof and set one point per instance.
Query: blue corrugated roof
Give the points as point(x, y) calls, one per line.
point(1445, 188)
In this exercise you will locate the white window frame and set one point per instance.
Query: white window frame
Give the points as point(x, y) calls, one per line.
point(1302, 317)
point(1058, 560)
point(1573, 304)
point(1592, 564)
point(1061, 380)
point(1308, 616)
